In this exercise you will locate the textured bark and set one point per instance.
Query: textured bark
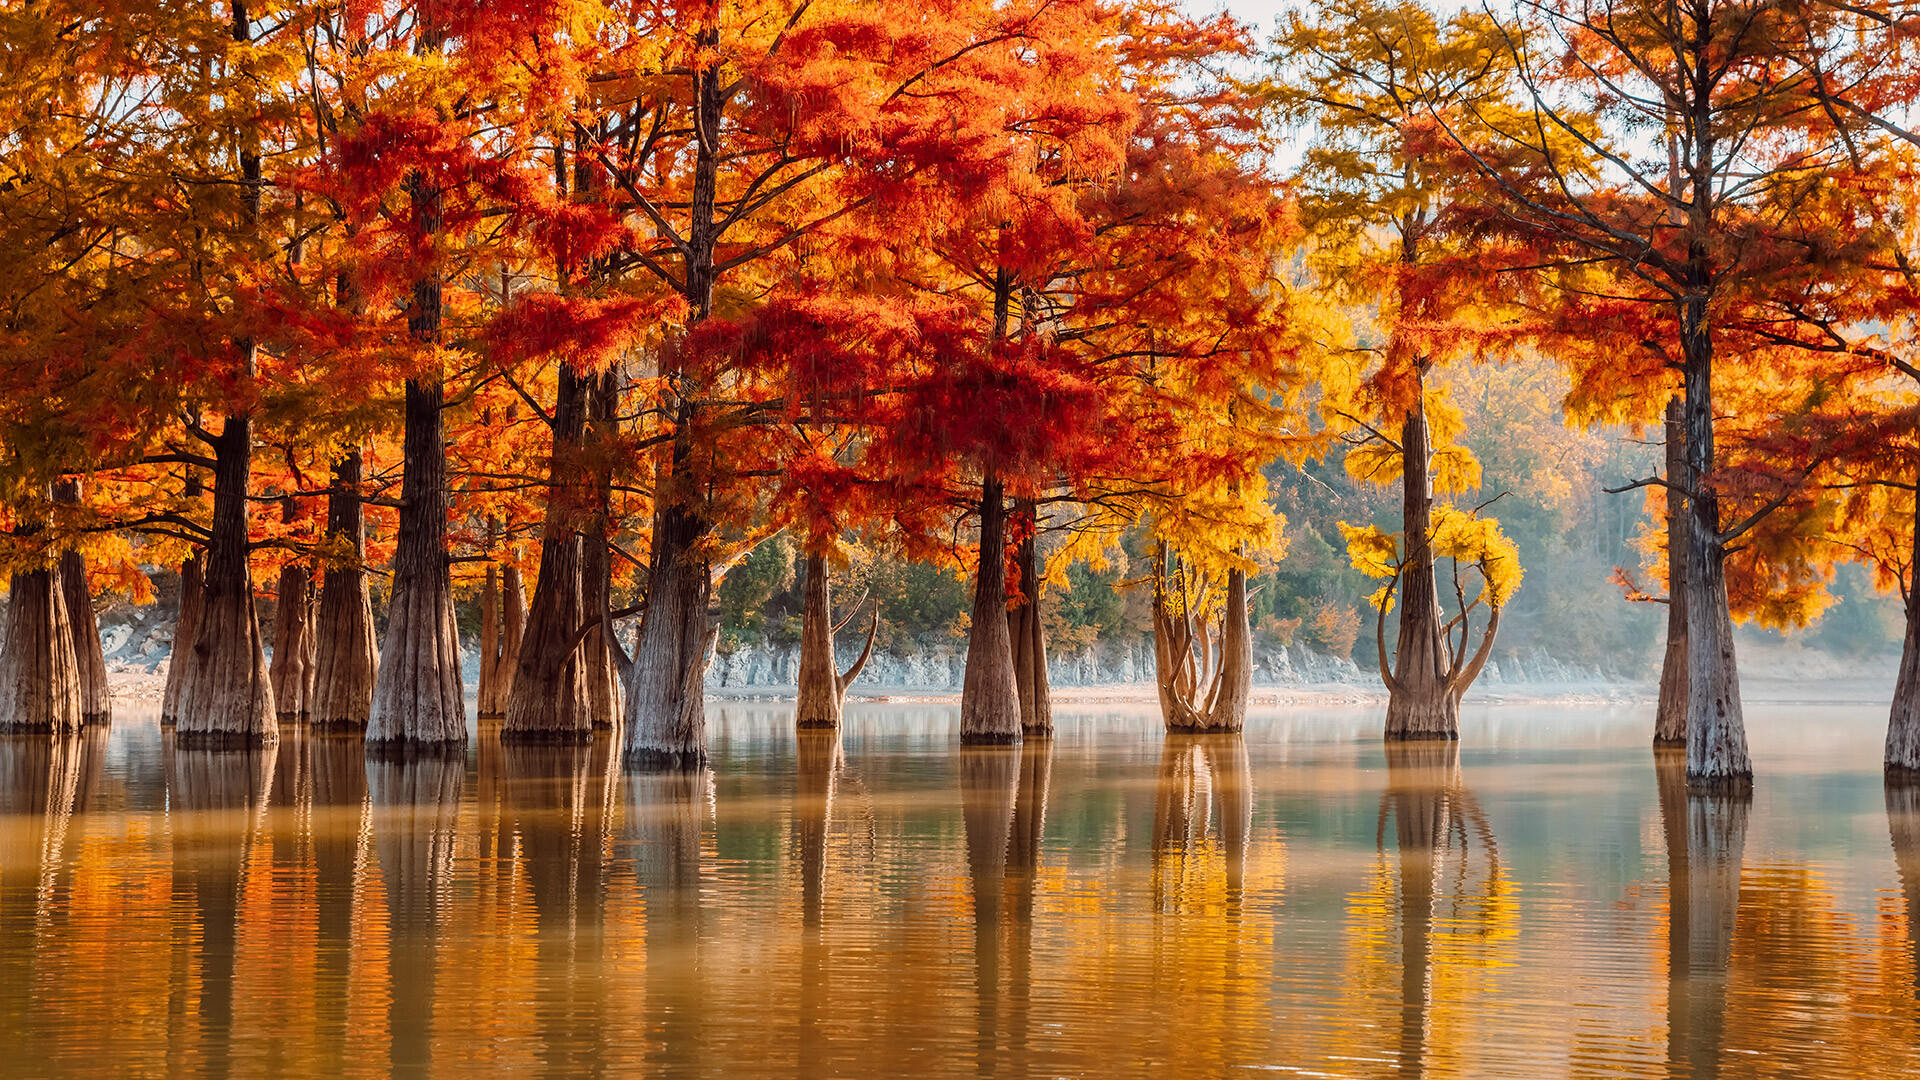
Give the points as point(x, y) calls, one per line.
point(344, 660)
point(822, 686)
point(1028, 636)
point(1202, 688)
point(292, 670)
point(1716, 726)
point(1670, 716)
point(1706, 832)
point(417, 693)
point(186, 626)
point(549, 702)
point(416, 813)
point(487, 703)
point(1419, 704)
point(666, 703)
point(989, 695)
point(96, 701)
point(596, 557)
point(39, 677)
point(1903, 722)
point(225, 697)
point(817, 767)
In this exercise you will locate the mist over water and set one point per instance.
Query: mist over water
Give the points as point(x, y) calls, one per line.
point(1544, 899)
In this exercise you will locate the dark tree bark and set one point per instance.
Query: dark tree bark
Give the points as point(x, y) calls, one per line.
point(225, 697)
point(39, 677)
point(989, 694)
point(666, 701)
point(96, 700)
point(1706, 832)
point(292, 671)
point(822, 687)
point(1716, 726)
point(1419, 704)
point(549, 702)
point(1023, 627)
point(1903, 721)
point(596, 557)
point(186, 626)
point(487, 703)
point(344, 660)
point(1670, 717)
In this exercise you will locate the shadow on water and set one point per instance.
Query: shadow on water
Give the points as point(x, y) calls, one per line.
point(217, 815)
point(1450, 870)
point(1706, 837)
point(416, 808)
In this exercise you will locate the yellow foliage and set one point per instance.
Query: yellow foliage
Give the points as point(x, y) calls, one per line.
point(1460, 535)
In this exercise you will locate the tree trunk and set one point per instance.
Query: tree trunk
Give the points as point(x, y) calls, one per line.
point(487, 704)
point(186, 626)
point(1228, 711)
point(1419, 704)
point(1706, 835)
point(548, 702)
point(989, 695)
point(1716, 729)
point(417, 697)
point(819, 700)
point(292, 670)
point(343, 657)
point(666, 702)
point(1903, 723)
point(1670, 717)
point(596, 557)
point(1029, 639)
point(226, 699)
point(96, 701)
point(39, 677)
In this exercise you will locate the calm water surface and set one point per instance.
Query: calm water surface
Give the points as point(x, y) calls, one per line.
point(1543, 900)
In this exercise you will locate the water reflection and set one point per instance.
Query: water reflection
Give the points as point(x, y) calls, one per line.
point(416, 803)
point(1205, 788)
point(1706, 836)
point(338, 823)
point(1903, 822)
point(667, 814)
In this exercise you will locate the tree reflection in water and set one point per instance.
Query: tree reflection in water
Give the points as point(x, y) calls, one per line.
point(1205, 787)
point(416, 802)
point(216, 812)
point(668, 811)
point(1903, 823)
point(338, 821)
point(1706, 835)
point(1450, 869)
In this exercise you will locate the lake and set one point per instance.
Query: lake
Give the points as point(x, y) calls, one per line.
point(1544, 899)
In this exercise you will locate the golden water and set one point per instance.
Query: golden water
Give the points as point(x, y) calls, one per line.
point(1543, 901)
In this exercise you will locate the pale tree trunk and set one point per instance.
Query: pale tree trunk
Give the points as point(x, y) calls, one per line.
point(39, 677)
point(1207, 692)
point(1024, 629)
point(989, 695)
point(1670, 717)
point(549, 702)
point(1716, 727)
point(226, 699)
point(487, 703)
point(1903, 722)
point(1419, 702)
point(186, 626)
point(417, 693)
point(292, 671)
point(822, 686)
point(666, 703)
point(1228, 710)
point(96, 701)
point(1706, 835)
point(343, 657)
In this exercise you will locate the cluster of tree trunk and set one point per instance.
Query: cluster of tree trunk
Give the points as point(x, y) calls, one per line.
point(503, 620)
point(344, 656)
point(1004, 694)
point(52, 675)
point(1204, 673)
point(293, 669)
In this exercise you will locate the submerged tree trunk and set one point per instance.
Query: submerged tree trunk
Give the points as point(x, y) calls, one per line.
point(292, 670)
point(1716, 728)
point(39, 677)
point(1903, 723)
point(548, 702)
point(1670, 717)
point(344, 660)
point(822, 687)
point(1023, 627)
point(666, 701)
point(225, 697)
point(1419, 702)
point(1202, 688)
point(186, 624)
point(989, 694)
point(96, 700)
